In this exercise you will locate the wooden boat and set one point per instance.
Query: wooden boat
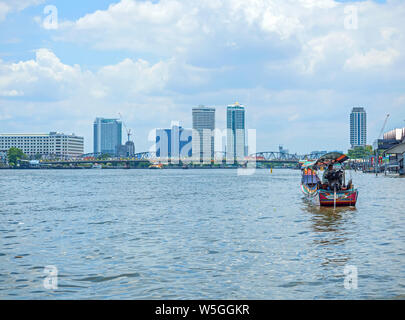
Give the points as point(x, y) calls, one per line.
point(331, 193)
point(339, 199)
point(310, 180)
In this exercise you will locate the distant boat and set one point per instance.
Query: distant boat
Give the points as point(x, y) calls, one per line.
point(97, 166)
point(310, 180)
point(156, 166)
point(335, 192)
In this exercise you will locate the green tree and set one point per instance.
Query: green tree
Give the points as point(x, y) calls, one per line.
point(360, 152)
point(15, 154)
point(104, 156)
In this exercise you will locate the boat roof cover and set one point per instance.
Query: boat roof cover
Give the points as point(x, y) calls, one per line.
point(331, 158)
point(308, 164)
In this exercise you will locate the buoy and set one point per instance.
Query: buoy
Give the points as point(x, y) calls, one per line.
point(271, 170)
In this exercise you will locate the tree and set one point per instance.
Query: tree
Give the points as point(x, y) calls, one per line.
point(15, 154)
point(360, 152)
point(103, 156)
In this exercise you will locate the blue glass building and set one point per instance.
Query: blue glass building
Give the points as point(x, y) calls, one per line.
point(107, 136)
point(174, 142)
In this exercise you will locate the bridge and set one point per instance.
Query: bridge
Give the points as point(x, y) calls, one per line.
point(148, 157)
point(277, 156)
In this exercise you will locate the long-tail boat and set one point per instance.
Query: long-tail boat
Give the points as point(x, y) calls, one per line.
point(333, 191)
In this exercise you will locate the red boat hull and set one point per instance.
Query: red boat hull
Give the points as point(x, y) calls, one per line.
point(343, 198)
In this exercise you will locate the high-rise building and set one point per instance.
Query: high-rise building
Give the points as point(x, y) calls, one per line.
point(107, 136)
point(235, 134)
point(127, 150)
point(358, 127)
point(203, 133)
point(54, 144)
point(174, 142)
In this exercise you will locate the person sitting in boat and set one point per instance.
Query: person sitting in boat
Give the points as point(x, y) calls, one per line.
point(327, 173)
point(334, 178)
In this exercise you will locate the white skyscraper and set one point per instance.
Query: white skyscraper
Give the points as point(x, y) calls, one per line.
point(203, 133)
point(358, 127)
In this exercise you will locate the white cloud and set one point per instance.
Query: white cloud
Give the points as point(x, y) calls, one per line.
point(8, 6)
point(47, 77)
point(322, 49)
point(279, 57)
point(372, 58)
point(310, 33)
point(175, 26)
point(11, 93)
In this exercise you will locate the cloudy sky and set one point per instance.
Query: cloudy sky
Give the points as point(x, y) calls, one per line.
point(299, 66)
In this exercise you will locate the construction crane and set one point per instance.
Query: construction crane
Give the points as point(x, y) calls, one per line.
point(376, 144)
point(126, 129)
point(385, 123)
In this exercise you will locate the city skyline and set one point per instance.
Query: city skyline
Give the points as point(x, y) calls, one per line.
point(207, 123)
point(299, 90)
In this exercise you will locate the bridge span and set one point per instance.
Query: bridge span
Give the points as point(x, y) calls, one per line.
point(150, 157)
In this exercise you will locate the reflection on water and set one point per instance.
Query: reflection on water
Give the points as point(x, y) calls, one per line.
point(327, 219)
point(195, 234)
point(331, 222)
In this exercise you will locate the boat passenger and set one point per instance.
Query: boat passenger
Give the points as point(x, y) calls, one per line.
point(326, 173)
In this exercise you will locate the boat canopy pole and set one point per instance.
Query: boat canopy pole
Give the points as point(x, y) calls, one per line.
point(334, 199)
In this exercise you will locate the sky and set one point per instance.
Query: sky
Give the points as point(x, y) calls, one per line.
point(299, 66)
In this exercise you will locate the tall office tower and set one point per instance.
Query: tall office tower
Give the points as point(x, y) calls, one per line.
point(175, 142)
point(358, 127)
point(203, 133)
point(235, 133)
point(107, 136)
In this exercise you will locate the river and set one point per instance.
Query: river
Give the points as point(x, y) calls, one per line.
point(196, 234)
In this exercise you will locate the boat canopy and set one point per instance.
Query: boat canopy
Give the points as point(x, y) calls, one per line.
point(308, 164)
point(332, 158)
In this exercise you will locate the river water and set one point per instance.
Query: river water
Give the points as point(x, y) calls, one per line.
point(196, 234)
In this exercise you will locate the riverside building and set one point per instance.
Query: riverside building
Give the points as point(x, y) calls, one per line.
point(107, 136)
point(358, 127)
point(235, 135)
point(174, 143)
point(203, 133)
point(54, 144)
